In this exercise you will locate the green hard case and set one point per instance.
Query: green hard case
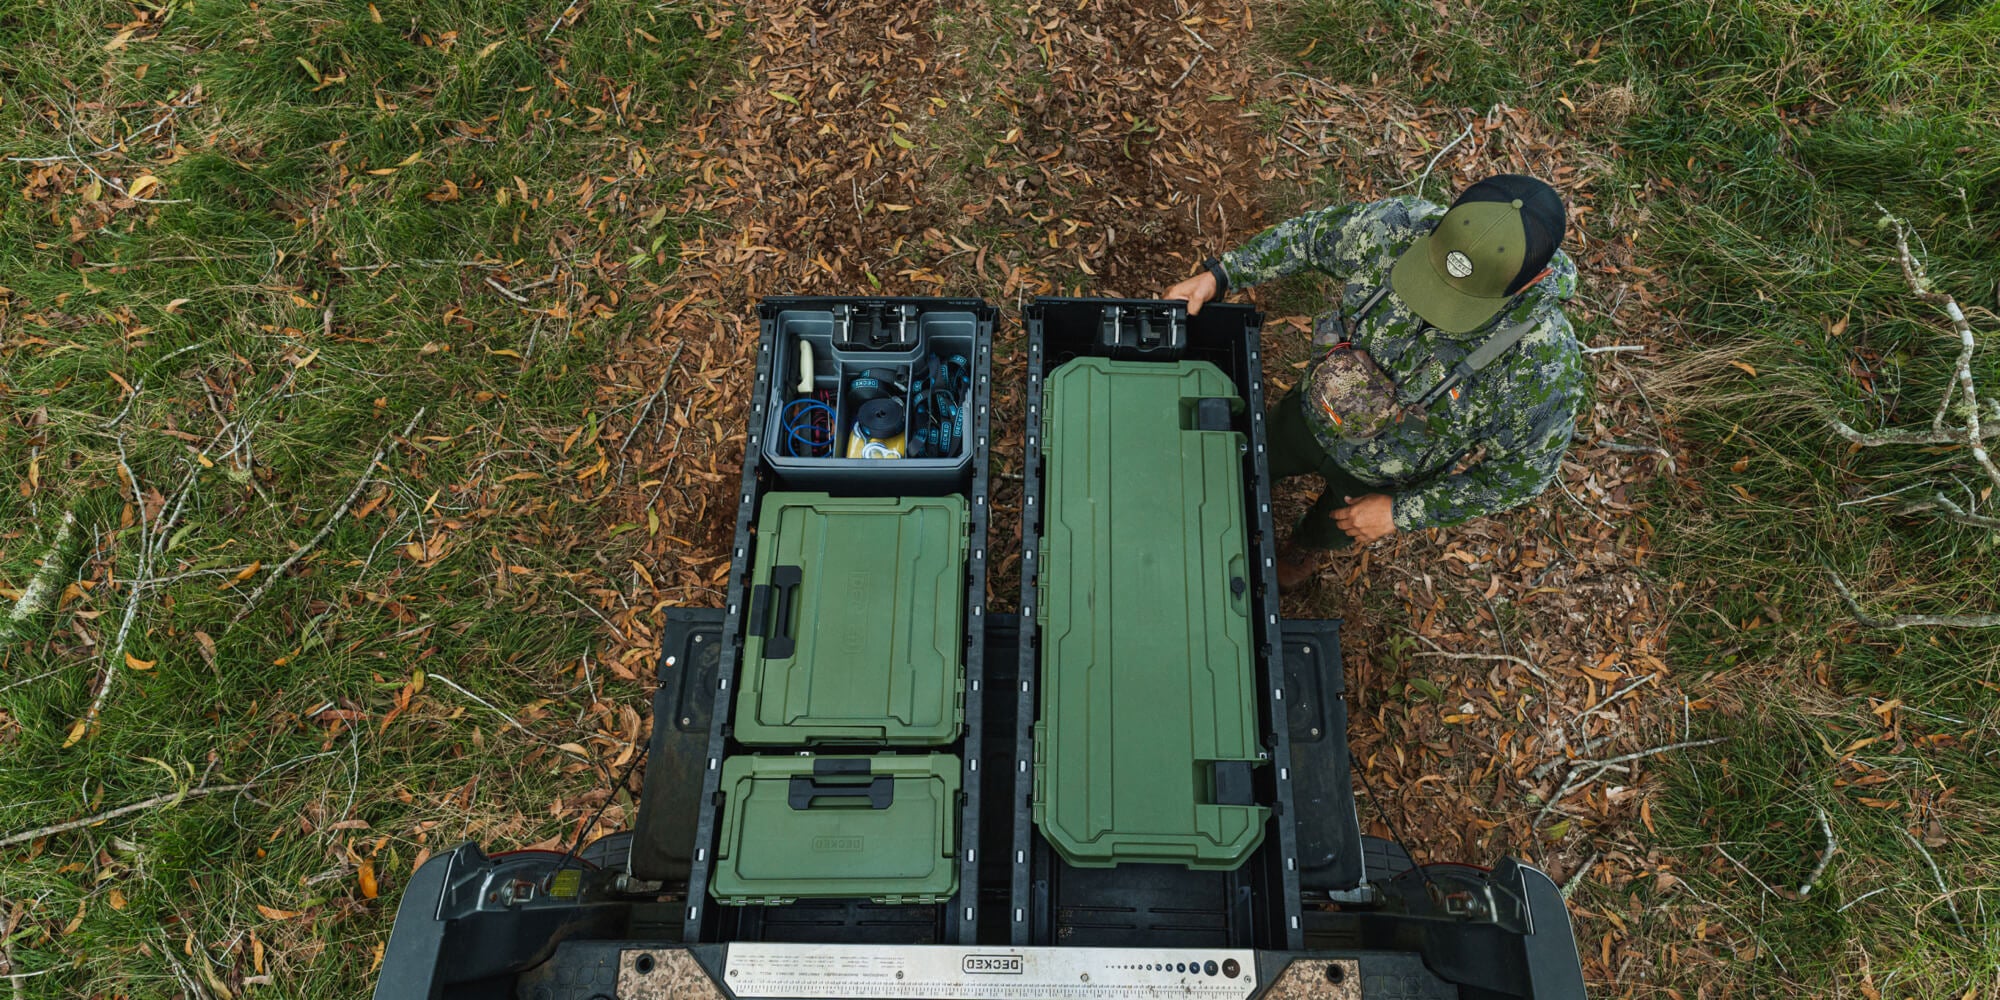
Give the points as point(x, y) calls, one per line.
point(882, 827)
point(1148, 730)
point(855, 622)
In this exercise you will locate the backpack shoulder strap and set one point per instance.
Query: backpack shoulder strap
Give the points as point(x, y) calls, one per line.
point(1500, 343)
point(1489, 350)
point(1367, 307)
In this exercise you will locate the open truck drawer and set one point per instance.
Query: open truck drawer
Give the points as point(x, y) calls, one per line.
point(908, 524)
point(1216, 432)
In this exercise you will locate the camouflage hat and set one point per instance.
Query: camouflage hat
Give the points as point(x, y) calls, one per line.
point(1497, 237)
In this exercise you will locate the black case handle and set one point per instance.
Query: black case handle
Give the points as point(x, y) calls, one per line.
point(773, 619)
point(879, 791)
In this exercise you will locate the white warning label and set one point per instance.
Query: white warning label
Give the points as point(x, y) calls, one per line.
point(943, 972)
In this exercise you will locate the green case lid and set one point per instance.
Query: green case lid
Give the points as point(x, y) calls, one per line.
point(882, 827)
point(855, 622)
point(1148, 729)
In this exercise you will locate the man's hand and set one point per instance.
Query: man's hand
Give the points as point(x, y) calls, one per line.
point(1196, 290)
point(1367, 518)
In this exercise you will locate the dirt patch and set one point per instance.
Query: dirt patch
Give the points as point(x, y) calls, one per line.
point(1005, 153)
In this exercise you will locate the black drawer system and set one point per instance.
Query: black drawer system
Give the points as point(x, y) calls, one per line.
point(866, 807)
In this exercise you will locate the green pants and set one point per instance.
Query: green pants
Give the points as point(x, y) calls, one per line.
point(1293, 450)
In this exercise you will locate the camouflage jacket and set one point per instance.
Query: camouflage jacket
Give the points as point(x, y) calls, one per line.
point(1514, 418)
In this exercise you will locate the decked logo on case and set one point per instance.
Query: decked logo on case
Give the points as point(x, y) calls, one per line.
point(836, 844)
point(993, 965)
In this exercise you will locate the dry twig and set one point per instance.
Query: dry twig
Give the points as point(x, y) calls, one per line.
point(1637, 754)
point(387, 448)
point(172, 110)
point(516, 723)
point(504, 290)
point(158, 800)
point(1577, 877)
point(1876, 439)
point(1935, 873)
point(1826, 856)
point(135, 588)
point(1176, 85)
point(1920, 286)
point(1426, 175)
point(1872, 892)
point(1745, 869)
point(1571, 782)
point(1441, 653)
point(42, 586)
point(1939, 501)
point(1962, 390)
point(1614, 696)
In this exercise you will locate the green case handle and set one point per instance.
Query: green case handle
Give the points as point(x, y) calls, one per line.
point(774, 623)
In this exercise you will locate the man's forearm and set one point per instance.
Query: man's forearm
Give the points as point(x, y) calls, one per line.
point(1491, 487)
point(1291, 246)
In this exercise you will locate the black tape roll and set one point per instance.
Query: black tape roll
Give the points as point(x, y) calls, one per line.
point(879, 419)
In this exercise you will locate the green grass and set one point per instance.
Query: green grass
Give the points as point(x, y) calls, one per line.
point(342, 186)
point(1768, 138)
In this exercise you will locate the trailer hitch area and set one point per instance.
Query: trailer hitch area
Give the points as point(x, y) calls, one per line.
point(512, 893)
point(1459, 893)
point(1466, 905)
point(1481, 902)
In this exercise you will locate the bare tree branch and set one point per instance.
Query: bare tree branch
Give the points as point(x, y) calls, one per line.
point(1920, 286)
point(1876, 439)
point(1941, 502)
point(1905, 621)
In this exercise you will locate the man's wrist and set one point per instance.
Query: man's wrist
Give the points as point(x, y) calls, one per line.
point(1221, 274)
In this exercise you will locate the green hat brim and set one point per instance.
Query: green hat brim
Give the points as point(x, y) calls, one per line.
point(1430, 296)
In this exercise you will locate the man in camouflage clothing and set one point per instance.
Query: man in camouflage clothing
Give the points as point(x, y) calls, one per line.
point(1445, 380)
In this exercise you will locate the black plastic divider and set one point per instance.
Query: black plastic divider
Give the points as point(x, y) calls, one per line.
point(1020, 901)
point(1228, 336)
point(690, 653)
point(1003, 645)
point(1329, 830)
point(958, 919)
